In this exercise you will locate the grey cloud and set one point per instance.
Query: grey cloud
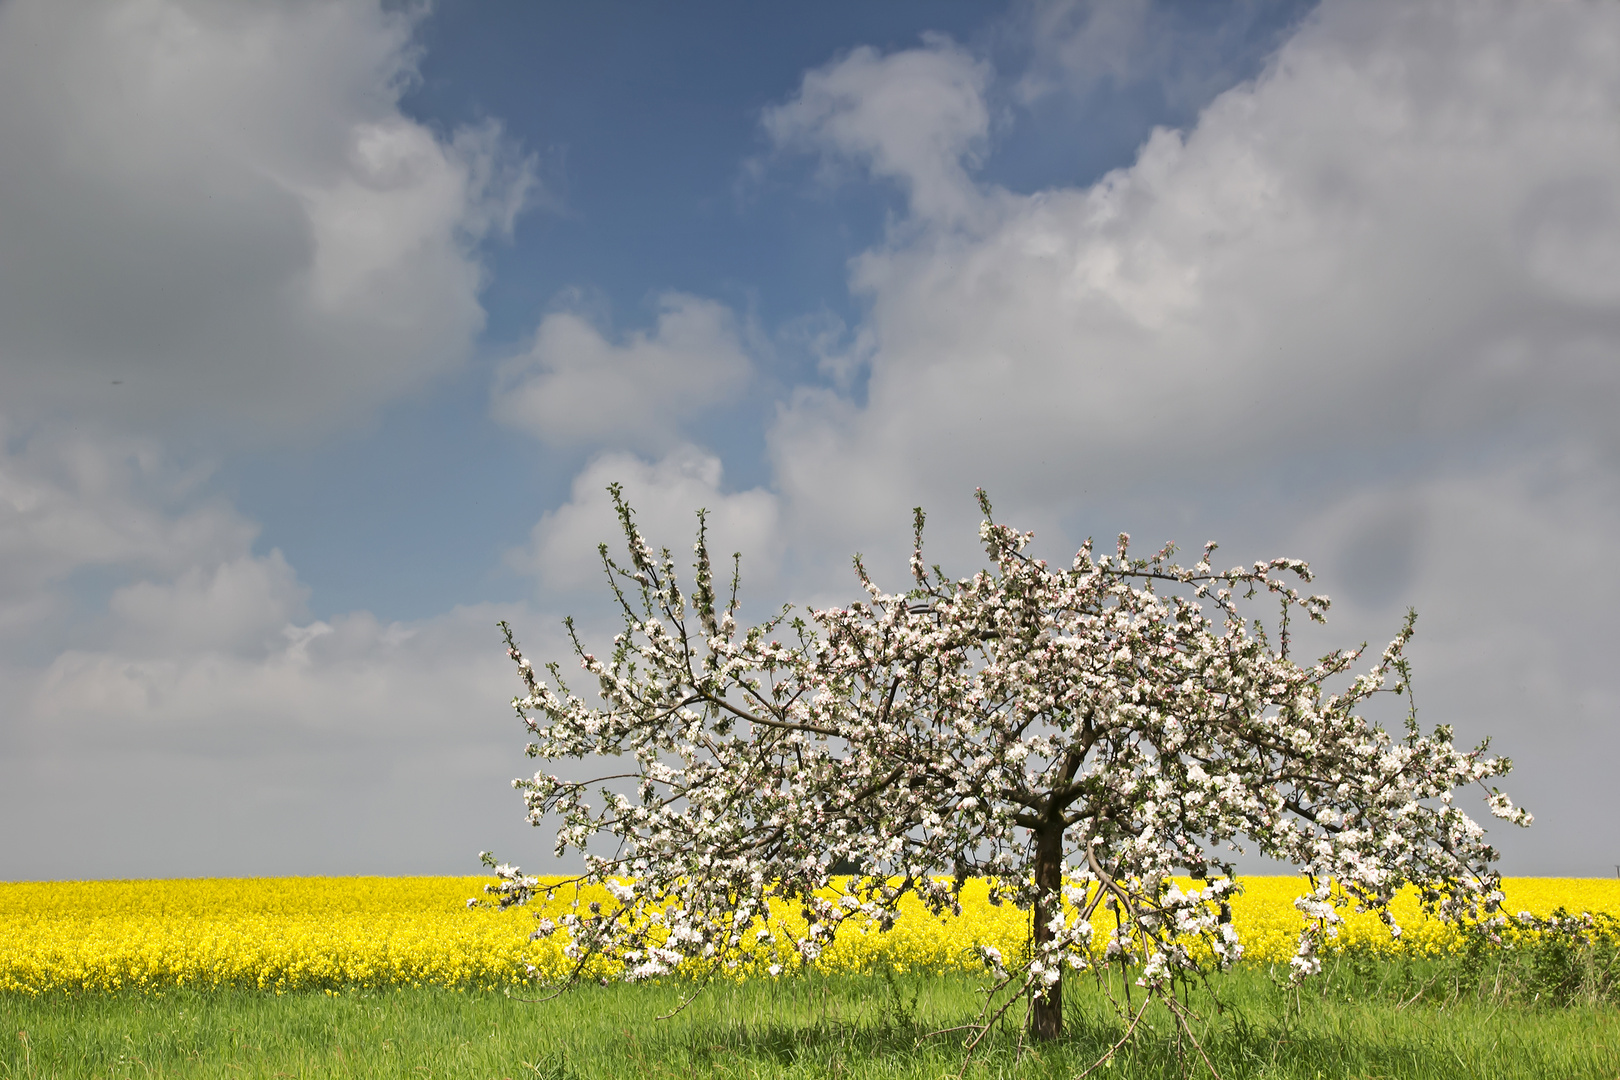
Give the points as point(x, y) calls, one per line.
point(1570, 233)
point(1513, 640)
point(913, 117)
point(1189, 53)
point(355, 747)
point(70, 502)
point(221, 207)
point(244, 604)
point(576, 386)
point(1362, 312)
point(1378, 555)
point(218, 229)
point(665, 493)
point(1334, 257)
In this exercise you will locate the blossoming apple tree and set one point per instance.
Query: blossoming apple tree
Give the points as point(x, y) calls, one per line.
point(1079, 735)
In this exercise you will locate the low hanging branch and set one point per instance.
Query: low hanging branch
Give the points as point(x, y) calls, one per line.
point(1077, 735)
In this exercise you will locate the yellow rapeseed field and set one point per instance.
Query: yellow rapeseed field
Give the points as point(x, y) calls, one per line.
point(283, 934)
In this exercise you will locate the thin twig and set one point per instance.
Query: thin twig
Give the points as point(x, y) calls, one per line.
point(984, 1029)
point(1123, 1039)
point(1417, 995)
point(704, 985)
point(1176, 1010)
point(1023, 1030)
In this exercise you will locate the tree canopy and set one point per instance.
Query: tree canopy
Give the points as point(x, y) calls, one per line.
point(1080, 735)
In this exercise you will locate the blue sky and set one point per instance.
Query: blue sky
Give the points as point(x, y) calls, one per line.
point(644, 123)
point(324, 325)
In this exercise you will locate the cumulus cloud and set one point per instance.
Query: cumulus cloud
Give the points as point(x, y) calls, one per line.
point(70, 504)
point(1362, 311)
point(219, 230)
point(349, 677)
point(1397, 237)
point(1501, 563)
point(244, 605)
point(1187, 53)
point(916, 117)
point(352, 746)
point(215, 219)
point(576, 386)
point(197, 719)
point(665, 493)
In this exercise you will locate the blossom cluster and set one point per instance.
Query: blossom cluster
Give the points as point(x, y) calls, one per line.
point(1080, 735)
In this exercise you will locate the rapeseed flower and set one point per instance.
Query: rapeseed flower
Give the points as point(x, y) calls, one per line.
point(284, 934)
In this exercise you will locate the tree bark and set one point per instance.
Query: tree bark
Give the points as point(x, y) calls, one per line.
point(1046, 1015)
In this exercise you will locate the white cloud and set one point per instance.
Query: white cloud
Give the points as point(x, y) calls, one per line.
point(242, 605)
point(1187, 53)
point(1364, 312)
point(353, 746)
point(197, 720)
point(351, 676)
point(665, 494)
point(1085, 42)
point(70, 503)
point(1399, 236)
point(218, 229)
point(1505, 565)
point(222, 207)
point(575, 386)
point(914, 117)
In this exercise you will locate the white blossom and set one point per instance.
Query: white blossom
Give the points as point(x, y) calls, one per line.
point(1077, 735)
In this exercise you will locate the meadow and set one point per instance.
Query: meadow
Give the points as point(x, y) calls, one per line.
point(397, 977)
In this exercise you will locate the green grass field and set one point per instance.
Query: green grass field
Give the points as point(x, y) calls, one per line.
point(1404, 1020)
